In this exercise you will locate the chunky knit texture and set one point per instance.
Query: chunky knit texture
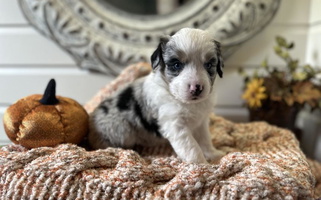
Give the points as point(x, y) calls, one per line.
point(128, 75)
point(263, 162)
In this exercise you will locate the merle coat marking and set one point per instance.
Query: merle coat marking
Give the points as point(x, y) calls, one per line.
point(171, 104)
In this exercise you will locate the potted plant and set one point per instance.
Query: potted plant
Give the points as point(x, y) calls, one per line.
point(277, 94)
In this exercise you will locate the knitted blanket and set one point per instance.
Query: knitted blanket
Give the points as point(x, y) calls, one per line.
point(263, 162)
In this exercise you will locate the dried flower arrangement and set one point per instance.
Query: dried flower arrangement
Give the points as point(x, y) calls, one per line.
point(277, 94)
point(291, 84)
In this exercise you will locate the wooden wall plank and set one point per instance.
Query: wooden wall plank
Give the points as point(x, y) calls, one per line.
point(293, 12)
point(228, 90)
point(315, 17)
point(235, 114)
point(81, 85)
point(24, 45)
point(313, 52)
point(254, 51)
point(10, 13)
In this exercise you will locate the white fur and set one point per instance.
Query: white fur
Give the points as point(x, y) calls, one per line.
point(185, 125)
point(182, 117)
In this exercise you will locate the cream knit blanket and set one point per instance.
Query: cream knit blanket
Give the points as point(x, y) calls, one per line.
point(263, 162)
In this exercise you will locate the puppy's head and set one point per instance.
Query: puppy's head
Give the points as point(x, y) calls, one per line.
point(188, 62)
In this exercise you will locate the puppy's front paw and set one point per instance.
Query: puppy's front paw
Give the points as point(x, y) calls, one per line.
point(214, 155)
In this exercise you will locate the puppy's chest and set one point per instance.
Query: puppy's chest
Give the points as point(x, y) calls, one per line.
point(181, 114)
point(193, 116)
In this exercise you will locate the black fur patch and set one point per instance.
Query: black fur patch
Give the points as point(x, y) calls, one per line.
point(124, 99)
point(157, 57)
point(104, 108)
point(220, 63)
point(219, 68)
point(152, 126)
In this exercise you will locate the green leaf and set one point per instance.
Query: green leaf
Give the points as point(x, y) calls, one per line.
point(241, 71)
point(255, 74)
point(309, 70)
point(290, 46)
point(307, 67)
point(278, 50)
point(281, 41)
point(293, 65)
point(285, 55)
point(264, 63)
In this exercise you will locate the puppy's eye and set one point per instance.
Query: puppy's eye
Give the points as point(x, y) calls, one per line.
point(209, 64)
point(175, 65)
point(178, 66)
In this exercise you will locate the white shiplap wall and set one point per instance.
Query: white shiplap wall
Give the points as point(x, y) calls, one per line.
point(28, 60)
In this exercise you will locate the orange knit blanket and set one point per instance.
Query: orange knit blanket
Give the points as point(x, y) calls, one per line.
point(263, 162)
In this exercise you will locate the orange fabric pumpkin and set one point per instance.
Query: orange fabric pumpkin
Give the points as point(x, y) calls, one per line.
point(45, 120)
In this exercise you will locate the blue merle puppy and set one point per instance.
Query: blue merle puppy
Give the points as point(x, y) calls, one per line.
point(171, 104)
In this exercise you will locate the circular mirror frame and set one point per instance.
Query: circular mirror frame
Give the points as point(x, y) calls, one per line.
point(106, 39)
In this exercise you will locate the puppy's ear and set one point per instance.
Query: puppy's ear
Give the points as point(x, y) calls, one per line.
point(157, 57)
point(220, 63)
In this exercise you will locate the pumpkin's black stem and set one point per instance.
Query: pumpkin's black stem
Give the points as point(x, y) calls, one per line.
point(49, 97)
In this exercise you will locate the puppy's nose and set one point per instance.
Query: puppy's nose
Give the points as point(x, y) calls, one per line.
point(196, 89)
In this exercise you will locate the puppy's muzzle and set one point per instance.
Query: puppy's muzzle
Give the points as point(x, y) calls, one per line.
point(195, 89)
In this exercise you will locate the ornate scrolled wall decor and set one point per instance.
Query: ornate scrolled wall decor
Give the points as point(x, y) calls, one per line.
point(105, 39)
